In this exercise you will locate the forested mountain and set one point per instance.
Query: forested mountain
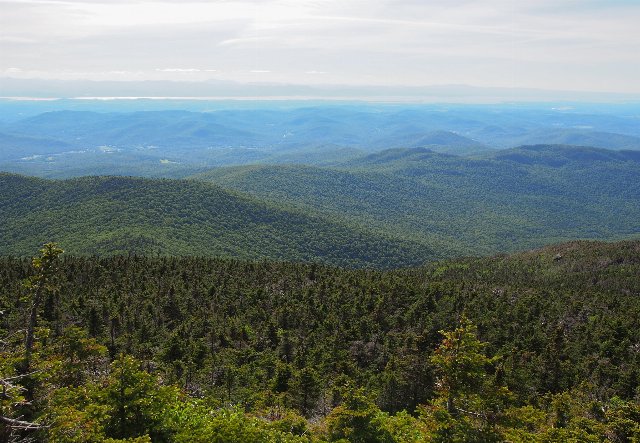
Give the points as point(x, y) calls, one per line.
point(394, 208)
point(579, 157)
point(438, 141)
point(535, 347)
point(580, 137)
point(12, 146)
point(503, 201)
point(107, 215)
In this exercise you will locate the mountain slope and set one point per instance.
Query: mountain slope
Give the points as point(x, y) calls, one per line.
point(439, 141)
point(14, 147)
point(503, 201)
point(166, 128)
point(561, 155)
point(578, 137)
point(105, 215)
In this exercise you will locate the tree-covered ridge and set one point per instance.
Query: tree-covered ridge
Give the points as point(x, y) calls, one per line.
point(109, 215)
point(538, 346)
point(399, 207)
point(510, 200)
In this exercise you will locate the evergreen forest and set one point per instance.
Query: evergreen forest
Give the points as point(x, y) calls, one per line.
point(538, 346)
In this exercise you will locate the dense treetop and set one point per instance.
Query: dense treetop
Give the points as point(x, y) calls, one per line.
point(537, 346)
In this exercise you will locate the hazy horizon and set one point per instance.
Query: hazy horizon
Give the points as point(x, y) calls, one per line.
point(87, 90)
point(543, 45)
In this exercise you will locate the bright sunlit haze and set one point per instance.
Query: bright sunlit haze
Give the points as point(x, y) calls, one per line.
point(568, 45)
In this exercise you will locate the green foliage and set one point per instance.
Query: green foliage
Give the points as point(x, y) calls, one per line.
point(305, 389)
point(180, 349)
point(460, 363)
point(134, 402)
point(80, 355)
point(198, 424)
point(38, 285)
point(45, 268)
point(357, 419)
point(623, 419)
point(21, 373)
point(74, 417)
point(469, 403)
point(403, 428)
point(128, 404)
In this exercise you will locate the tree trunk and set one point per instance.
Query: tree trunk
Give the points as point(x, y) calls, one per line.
point(33, 320)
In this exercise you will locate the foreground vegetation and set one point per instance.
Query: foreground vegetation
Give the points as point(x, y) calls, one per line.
point(540, 346)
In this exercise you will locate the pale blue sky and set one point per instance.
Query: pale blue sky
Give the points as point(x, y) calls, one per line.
point(590, 45)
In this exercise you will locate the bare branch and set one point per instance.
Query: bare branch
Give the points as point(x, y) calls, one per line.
point(19, 424)
point(17, 377)
point(475, 414)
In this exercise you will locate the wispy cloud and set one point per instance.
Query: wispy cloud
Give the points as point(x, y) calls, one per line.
point(16, 39)
point(586, 44)
point(244, 41)
point(177, 70)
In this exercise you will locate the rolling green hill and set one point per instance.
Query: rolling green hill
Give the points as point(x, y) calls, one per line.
point(17, 147)
point(108, 215)
point(502, 201)
point(393, 208)
point(584, 137)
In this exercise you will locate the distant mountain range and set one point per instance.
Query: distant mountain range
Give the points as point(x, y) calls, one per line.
point(179, 143)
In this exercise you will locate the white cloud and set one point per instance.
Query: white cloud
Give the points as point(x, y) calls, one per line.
point(555, 44)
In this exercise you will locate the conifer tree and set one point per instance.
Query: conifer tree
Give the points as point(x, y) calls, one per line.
point(38, 285)
point(469, 402)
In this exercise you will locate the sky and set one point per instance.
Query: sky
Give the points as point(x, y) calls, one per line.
point(574, 45)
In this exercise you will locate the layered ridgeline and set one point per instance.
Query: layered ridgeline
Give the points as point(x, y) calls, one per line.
point(110, 215)
point(504, 201)
point(172, 143)
point(395, 208)
point(255, 347)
